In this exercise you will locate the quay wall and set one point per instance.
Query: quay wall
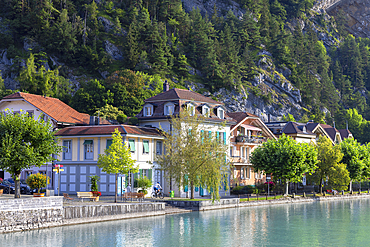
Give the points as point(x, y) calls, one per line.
point(42, 212)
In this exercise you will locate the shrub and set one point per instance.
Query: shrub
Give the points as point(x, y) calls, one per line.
point(94, 182)
point(37, 181)
point(144, 183)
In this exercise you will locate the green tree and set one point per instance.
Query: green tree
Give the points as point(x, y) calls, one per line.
point(117, 158)
point(285, 159)
point(328, 157)
point(25, 142)
point(338, 177)
point(109, 112)
point(355, 157)
point(194, 154)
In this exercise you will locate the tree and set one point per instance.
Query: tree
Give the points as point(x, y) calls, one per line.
point(338, 177)
point(328, 157)
point(110, 112)
point(117, 158)
point(194, 154)
point(285, 159)
point(355, 157)
point(24, 142)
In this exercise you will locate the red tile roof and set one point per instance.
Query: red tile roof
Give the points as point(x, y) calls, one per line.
point(176, 94)
point(107, 130)
point(239, 116)
point(53, 107)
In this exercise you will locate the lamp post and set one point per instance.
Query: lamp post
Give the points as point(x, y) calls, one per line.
point(268, 184)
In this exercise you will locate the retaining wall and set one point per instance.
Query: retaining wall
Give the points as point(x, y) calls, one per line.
point(30, 213)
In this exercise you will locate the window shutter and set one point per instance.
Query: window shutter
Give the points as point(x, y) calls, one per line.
point(210, 134)
point(218, 135)
point(202, 134)
point(141, 173)
point(146, 146)
point(224, 138)
point(132, 145)
point(150, 174)
point(88, 142)
point(109, 143)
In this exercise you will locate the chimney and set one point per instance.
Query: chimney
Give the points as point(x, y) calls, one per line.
point(269, 117)
point(346, 124)
point(334, 124)
point(166, 86)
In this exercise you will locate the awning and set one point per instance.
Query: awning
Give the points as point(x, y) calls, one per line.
point(250, 127)
point(88, 142)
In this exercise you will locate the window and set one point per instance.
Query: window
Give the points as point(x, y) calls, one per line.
point(220, 113)
point(241, 152)
point(148, 111)
point(109, 143)
point(169, 109)
point(242, 172)
point(145, 147)
point(222, 136)
point(30, 113)
point(191, 108)
point(205, 111)
point(146, 173)
point(158, 148)
point(89, 149)
point(131, 143)
point(67, 150)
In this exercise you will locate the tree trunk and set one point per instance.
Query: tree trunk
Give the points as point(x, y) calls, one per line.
point(287, 187)
point(17, 182)
point(320, 185)
point(192, 189)
point(115, 196)
point(350, 185)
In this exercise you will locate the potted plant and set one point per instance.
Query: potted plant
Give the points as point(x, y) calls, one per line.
point(94, 186)
point(37, 181)
point(144, 183)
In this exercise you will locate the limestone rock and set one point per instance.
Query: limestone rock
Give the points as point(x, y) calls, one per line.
point(113, 51)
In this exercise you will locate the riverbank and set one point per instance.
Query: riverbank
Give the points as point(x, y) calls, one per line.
point(30, 213)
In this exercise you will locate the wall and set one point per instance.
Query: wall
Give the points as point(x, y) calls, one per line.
point(30, 213)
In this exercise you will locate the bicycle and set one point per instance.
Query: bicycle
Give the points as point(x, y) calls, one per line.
point(159, 194)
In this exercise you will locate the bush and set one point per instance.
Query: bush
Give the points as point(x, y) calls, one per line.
point(94, 183)
point(37, 181)
point(144, 183)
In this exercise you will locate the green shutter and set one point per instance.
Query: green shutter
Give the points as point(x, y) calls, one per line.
point(140, 173)
point(132, 145)
point(109, 142)
point(210, 134)
point(150, 174)
point(88, 142)
point(224, 138)
point(202, 134)
point(146, 146)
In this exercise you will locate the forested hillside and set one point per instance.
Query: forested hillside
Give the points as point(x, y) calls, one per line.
point(91, 54)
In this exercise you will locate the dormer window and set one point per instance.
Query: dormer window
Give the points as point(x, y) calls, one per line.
point(169, 109)
point(191, 108)
point(205, 111)
point(148, 110)
point(220, 113)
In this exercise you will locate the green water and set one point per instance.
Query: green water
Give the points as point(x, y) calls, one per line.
point(340, 223)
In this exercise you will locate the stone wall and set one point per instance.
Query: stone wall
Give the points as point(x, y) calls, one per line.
point(30, 213)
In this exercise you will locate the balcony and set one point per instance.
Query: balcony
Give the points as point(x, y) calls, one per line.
point(238, 159)
point(246, 139)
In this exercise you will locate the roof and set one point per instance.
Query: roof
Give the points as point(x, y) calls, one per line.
point(239, 116)
point(183, 94)
point(344, 133)
point(331, 131)
point(52, 107)
point(296, 128)
point(107, 130)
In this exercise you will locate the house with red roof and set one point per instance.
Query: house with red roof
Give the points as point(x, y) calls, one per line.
point(246, 135)
point(83, 144)
point(157, 112)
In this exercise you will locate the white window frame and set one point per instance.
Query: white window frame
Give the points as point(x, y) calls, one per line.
point(169, 109)
point(69, 149)
point(205, 111)
point(221, 113)
point(148, 110)
point(89, 148)
point(159, 143)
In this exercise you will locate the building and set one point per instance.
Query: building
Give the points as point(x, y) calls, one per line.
point(83, 144)
point(157, 112)
point(49, 109)
point(248, 134)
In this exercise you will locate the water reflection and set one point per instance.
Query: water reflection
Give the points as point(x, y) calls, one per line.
point(342, 223)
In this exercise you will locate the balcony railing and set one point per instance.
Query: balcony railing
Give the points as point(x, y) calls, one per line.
point(238, 159)
point(247, 139)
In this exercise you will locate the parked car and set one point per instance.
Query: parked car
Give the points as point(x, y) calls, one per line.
point(25, 189)
point(7, 187)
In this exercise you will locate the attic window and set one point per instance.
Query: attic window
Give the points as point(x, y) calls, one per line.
point(205, 111)
point(220, 113)
point(148, 111)
point(169, 109)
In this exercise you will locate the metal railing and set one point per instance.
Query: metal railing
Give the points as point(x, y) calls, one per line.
point(246, 139)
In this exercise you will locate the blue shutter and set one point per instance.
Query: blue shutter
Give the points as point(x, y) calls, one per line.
point(218, 135)
point(202, 134)
point(210, 134)
point(224, 138)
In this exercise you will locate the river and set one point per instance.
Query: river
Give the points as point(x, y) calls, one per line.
point(336, 223)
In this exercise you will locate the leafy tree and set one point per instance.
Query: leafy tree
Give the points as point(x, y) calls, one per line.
point(110, 112)
point(144, 183)
point(285, 159)
point(117, 158)
point(328, 157)
point(24, 142)
point(91, 96)
point(355, 157)
point(338, 177)
point(194, 154)
point(289, 118)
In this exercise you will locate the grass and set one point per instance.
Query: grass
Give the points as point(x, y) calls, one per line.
point(190, 200)
point(261, 198)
